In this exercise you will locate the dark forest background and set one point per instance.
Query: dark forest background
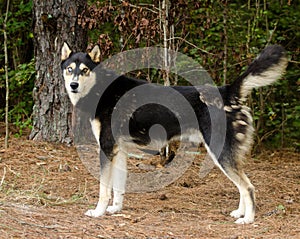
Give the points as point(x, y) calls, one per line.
point(223, 36)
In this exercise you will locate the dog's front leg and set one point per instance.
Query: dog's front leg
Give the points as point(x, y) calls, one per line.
point(105, 186)
point(119, 175)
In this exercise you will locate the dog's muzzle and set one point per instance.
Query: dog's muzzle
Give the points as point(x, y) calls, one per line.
point(74, 85)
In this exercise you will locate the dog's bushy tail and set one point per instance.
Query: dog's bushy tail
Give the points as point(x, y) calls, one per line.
point(264, 70)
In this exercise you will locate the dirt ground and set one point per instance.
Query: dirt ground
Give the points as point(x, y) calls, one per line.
point(45, 191)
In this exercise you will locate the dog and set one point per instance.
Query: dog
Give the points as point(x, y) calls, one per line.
point(97, 91)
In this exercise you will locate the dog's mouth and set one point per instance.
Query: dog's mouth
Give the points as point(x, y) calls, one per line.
point(74, 91)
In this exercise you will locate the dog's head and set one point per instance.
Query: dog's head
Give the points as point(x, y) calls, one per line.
point(78, 71)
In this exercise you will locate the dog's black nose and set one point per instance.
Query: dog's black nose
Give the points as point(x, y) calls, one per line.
point(74, 85)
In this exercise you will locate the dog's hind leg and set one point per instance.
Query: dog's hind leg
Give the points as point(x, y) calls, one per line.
point(246, 210)
point(106, 166)
point(232, 169)
point(119, 175)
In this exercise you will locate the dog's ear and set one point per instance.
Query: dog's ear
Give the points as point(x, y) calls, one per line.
point(65, 51)
point(95, 54)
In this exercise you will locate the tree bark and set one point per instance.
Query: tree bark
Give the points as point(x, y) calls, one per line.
point(53, 23)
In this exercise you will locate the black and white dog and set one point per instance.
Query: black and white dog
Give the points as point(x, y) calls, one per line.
point(97, 91)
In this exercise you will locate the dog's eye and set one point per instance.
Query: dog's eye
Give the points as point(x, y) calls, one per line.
point(69, 69)
point(84, 70)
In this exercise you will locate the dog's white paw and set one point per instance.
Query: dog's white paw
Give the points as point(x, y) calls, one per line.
point(113, 209)
point(237, 213)
point(94, 213)
point(244, 220)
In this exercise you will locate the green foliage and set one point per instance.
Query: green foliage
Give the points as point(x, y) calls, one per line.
point(21, 64)
point(21, 85)
point(202, 30)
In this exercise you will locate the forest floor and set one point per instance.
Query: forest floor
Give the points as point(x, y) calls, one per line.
point(45, 190)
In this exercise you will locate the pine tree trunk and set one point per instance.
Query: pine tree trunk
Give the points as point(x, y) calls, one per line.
point(54, 22)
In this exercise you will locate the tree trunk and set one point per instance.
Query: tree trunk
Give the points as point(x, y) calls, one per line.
point(54, 22)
